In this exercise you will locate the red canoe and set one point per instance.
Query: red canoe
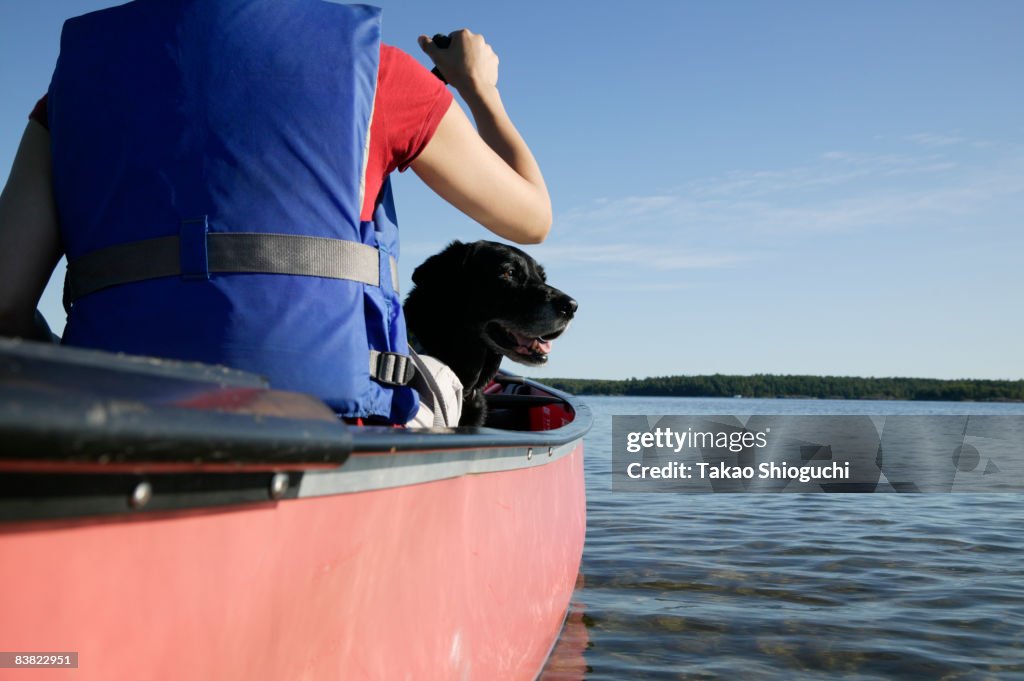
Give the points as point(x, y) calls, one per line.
point(171, 521)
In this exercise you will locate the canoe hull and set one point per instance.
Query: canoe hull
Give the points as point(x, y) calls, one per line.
point(416, 582)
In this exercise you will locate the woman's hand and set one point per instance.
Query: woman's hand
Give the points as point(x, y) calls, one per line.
point(469, 64)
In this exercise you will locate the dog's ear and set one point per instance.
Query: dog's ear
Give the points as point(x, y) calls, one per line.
point(443, 266)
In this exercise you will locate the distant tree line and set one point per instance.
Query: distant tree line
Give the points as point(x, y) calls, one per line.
point(821, 387)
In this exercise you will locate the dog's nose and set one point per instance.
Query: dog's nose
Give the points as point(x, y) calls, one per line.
point(567, 306)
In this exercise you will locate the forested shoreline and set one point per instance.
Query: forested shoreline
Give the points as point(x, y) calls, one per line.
point(786, 386)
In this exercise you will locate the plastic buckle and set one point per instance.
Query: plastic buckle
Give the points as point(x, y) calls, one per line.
point(391, 368)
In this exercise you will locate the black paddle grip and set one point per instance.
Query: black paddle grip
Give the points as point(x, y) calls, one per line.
point(442, 41)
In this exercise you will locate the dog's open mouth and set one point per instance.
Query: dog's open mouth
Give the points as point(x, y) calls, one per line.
point(519, 346)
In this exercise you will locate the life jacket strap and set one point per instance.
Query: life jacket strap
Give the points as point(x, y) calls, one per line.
point(225, 252)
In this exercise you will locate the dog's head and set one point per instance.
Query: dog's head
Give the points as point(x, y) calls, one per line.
point(500, 293)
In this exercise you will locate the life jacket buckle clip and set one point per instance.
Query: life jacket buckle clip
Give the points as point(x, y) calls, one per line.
point(391, 368)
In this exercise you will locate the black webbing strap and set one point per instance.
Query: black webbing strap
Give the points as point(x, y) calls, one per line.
point(255, 253)
point(391, 368)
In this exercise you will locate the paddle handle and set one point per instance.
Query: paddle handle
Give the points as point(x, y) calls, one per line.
point(442, 41)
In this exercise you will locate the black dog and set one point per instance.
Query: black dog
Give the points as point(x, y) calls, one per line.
point(473, 303)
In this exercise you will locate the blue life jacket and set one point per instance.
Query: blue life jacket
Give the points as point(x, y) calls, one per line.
point(177, 121)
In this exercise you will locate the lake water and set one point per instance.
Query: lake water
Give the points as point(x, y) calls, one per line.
point(793, 586)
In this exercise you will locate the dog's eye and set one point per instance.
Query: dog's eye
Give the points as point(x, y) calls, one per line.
point(508, 274)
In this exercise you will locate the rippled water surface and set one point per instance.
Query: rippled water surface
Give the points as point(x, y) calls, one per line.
point(793, 586)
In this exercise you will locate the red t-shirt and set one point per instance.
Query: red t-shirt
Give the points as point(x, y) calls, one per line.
point(409, 105)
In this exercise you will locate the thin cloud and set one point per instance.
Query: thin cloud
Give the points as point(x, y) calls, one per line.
point(841, 191)
point(927, 139)
point(641, 258)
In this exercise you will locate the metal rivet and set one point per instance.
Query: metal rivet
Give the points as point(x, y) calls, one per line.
point(529, 454)
point(141, 495)
point(278, 485)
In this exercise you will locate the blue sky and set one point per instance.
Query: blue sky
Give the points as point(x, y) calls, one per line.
point(738, 187)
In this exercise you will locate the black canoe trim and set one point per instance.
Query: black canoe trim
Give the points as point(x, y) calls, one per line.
point(74, 428)
point(52, 496)
point(60, 404)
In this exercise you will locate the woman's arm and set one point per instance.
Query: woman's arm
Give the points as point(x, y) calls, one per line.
point(488, 173)
point(29, 234)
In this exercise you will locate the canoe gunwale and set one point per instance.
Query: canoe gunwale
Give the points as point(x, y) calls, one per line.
point(83, 446)
point(62, 404)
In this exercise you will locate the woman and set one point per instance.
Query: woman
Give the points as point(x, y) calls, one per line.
point(205, 122)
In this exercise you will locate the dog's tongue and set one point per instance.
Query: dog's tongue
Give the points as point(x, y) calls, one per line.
point(528, 345)
point(541, 346)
